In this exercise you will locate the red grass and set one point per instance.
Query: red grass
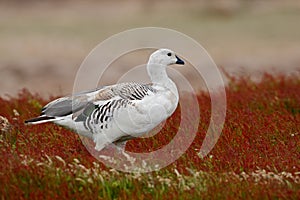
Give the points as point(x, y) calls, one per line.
point(261, 131)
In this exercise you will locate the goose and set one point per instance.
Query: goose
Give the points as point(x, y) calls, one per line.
point(120, 112)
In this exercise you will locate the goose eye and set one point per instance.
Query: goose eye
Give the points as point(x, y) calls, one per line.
point(169, 54)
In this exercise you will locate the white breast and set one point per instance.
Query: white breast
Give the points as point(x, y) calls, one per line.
point(147, 113)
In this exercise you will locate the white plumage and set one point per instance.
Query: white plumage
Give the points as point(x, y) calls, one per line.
point(117, 113)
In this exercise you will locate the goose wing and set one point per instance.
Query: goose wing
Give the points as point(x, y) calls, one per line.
point(84, 103)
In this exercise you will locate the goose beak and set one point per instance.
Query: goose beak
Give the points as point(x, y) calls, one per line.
point(179, 61)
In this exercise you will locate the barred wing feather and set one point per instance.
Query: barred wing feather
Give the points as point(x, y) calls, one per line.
point(103, 100)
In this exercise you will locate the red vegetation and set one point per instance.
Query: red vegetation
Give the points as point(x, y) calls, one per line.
point(261, 131)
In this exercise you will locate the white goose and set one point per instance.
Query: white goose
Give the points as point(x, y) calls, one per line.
point(120, 112)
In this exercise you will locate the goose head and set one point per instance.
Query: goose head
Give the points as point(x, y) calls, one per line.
point(165, 57)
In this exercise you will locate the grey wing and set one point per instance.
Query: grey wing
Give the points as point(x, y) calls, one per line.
point(133, 91)
point(102, 100)
point(68, 105)
point(63, 106)
point(107, 101)
point(110, 99)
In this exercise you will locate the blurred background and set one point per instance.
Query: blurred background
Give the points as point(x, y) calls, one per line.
point(42, 43)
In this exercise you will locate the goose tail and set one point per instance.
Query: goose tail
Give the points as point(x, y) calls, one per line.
point(40, 120)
